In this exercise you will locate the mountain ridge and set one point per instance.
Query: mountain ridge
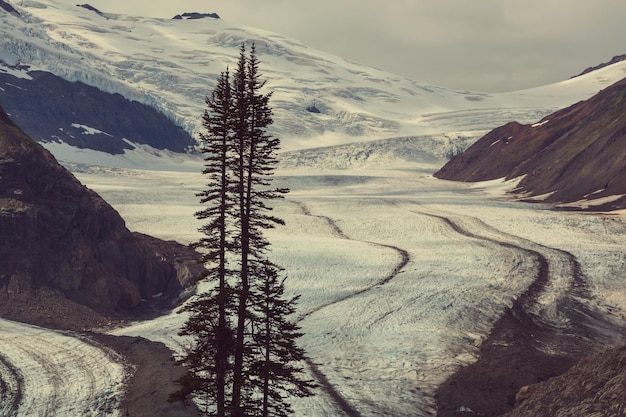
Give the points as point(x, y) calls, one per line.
point(614, 60)
point(573, 157)
point(173, 64)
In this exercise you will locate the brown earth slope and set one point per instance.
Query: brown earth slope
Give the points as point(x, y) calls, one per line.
point(596, 386)
point(578, 153)
point(66, 257)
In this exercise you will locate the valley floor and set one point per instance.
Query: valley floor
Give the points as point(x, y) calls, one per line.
point(402, 276)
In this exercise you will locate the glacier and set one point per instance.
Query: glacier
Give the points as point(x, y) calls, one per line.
point(393, 299)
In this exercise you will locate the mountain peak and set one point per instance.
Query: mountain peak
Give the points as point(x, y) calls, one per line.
point(195, 15)
point(614, 60)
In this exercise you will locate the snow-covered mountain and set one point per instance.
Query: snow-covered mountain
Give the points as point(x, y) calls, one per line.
point(402, 277)
point(173, 64)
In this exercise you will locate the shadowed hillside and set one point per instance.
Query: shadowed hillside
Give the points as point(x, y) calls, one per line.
point(51, 109)
point(67, 258)
point(595, 386)
point(575, 154)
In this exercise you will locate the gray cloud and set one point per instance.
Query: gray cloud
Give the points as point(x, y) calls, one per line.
point(487, 45)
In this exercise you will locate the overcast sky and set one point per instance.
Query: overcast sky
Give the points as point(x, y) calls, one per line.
point(479, 45)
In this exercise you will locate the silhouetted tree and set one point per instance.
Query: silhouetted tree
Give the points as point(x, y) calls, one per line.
point(243, 359)
point(256, 150)
point(276, 369)
point(210, 322)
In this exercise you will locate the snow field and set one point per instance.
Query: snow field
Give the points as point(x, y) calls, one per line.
point(383, 339)
point(173, 64)
point(61, 374)
point(400, 275)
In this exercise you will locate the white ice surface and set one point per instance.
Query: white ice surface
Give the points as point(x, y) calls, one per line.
point(58, 374)
point(388, 347)
point(383, 339)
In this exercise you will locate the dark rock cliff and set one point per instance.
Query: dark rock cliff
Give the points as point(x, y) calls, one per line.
point(90, 7)
point(195, 15)
point(575, 154)
point(66, 256)
point(49, 108)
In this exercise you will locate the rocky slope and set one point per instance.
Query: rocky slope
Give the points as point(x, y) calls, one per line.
point(8, 8)
point(576, 155)
point(67, 258)
point(614, 60)
point(596, 386)
point(49, 108)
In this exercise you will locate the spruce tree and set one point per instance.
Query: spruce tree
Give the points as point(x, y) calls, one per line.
point(240, 130)
point(243, 360)
point(210, 320)
point(256, 151)
point(202, 381)
point(276, 370)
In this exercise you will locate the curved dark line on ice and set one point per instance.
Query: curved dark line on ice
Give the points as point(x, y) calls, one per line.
point(404, 260)
point(13, 398)
point(528, 333)
point(331, 223)
point(330, 390)
point(579, 283)
point(326, 386)
point(543, 273)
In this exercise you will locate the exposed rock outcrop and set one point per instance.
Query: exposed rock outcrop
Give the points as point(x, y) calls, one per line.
point(49, 108)
point(575, 154)
point(8, 8)
point(66, 256)
point(614, 60)
point(596, 386)
point(195, 15)
point(90, 7)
